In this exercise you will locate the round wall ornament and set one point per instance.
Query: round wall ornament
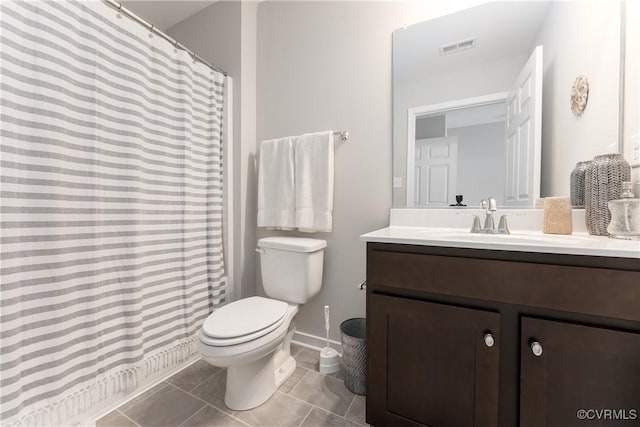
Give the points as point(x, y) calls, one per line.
point(579, 95)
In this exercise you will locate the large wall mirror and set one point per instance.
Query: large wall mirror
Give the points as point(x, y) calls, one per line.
point(481, 101)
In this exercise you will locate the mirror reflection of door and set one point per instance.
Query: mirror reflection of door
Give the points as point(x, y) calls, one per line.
point(524, 134)
point(436, 171)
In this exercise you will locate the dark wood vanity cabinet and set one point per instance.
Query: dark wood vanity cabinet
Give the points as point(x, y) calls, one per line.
point(464, 337)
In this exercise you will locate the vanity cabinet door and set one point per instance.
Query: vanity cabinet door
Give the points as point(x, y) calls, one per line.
point(568, 368)
point(431, 364)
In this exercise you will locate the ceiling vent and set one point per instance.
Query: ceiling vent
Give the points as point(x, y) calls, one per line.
point(457, 46)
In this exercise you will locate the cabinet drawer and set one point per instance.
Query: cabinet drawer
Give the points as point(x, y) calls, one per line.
point(592, 291)
point(432, 273)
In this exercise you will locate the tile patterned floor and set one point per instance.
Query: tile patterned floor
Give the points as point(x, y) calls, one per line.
point(194, 397)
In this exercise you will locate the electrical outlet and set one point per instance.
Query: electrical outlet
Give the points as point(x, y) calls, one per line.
point(397, 182)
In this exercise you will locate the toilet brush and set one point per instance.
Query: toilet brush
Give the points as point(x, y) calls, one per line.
point(329, 362)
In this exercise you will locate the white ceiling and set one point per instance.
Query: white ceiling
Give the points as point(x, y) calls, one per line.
point(166, 14)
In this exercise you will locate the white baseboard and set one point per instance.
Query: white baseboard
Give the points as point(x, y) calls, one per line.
point(314, 342)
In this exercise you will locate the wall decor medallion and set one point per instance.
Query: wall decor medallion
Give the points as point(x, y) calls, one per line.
point(579, 95)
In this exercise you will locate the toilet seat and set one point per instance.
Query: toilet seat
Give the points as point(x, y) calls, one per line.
point(243, 320)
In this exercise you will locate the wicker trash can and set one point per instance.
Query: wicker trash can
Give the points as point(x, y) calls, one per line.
point(354, 355)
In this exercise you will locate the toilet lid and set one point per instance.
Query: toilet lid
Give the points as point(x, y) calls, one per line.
point(244, 317)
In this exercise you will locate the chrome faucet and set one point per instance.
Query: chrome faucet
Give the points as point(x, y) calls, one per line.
point(489, 225)
point(492, 207)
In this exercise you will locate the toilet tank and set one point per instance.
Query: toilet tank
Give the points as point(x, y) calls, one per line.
point(291, 267)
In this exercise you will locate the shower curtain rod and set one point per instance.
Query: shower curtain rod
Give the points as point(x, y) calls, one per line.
point(121, 9)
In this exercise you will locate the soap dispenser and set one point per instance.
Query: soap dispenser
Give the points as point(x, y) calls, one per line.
point(625, 215)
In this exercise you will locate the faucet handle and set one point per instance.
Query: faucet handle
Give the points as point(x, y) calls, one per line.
point(484, 203)
point(475, 228)
point(503, 227)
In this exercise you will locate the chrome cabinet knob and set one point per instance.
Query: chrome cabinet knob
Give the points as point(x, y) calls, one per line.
point(489, 341)
point(536, 348)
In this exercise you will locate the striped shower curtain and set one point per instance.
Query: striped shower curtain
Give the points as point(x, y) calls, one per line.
point(111, 206)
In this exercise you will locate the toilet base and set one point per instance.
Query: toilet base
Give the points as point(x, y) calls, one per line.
point(250, 385)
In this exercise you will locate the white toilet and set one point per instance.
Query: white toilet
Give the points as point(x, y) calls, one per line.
point(252, 336)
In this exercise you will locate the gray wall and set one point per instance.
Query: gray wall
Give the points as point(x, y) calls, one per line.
point(327, 65)
point(214, 33)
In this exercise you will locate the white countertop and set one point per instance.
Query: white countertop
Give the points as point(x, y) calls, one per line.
point(526, 241)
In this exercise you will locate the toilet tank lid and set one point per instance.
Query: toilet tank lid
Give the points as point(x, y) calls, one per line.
point(293, 244)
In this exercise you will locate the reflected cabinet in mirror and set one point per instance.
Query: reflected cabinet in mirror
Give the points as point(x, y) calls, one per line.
point(482, 101)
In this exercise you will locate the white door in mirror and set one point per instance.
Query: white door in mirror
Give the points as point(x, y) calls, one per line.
point(436, 169)
point(524, 134)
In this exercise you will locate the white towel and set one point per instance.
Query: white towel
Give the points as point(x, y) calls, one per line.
point(276, 197)
point(314, 181)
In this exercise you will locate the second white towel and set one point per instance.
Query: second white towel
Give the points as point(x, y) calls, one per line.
point(314, 182)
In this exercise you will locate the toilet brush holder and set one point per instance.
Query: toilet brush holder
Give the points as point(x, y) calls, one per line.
point(329, 361)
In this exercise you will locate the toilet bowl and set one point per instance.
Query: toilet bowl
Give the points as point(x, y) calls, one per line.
point(257, 361)
point(251, 337)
